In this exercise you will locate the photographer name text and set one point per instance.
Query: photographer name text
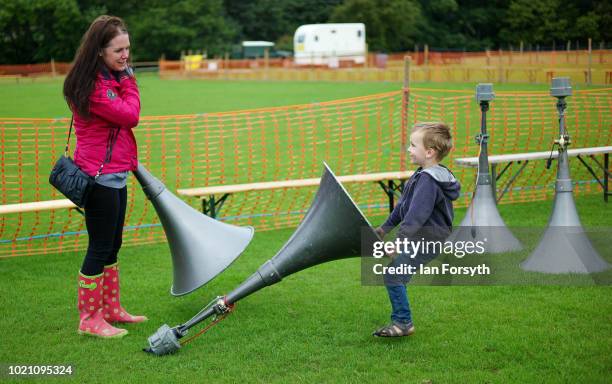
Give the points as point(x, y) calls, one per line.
point(443, 269)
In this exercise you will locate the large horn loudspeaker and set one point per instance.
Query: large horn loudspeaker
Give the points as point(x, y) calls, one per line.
point(201, 247)
point(332, 229)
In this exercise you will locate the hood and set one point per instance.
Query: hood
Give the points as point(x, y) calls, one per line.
point(445, 179)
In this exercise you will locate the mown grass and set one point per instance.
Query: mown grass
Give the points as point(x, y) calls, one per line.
point(174, 97)
point(315, 325)
point(43, 98)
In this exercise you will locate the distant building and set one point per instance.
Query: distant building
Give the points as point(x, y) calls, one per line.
point(256, 50)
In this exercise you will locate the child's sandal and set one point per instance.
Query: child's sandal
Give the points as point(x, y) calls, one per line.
point(395, 330)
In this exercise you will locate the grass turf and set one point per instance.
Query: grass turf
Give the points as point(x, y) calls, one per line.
point(43, 98)
point(172, 97)
point(316, 324)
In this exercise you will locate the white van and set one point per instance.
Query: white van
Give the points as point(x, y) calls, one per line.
point(326, 44)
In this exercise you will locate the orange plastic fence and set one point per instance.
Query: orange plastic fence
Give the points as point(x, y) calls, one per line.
point(359, 135)
point(35, 69)
point(552, 58)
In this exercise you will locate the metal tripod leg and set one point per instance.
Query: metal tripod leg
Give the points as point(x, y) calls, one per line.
point(606, 174)
point(512, 179)
point(392, 189)
point(212, 207)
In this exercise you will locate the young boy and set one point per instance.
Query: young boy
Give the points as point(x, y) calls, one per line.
point(424, 212)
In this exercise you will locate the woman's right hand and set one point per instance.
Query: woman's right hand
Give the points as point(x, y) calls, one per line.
point(123, 75)
point(127, 73)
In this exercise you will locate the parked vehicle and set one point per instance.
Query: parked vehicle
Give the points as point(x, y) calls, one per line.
point(326, 44)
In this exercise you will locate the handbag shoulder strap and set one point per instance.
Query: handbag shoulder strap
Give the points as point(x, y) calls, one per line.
point(112, 139)
point(68, 141)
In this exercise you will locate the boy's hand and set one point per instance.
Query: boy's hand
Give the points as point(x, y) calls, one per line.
point(392, 255)
point(380, 232)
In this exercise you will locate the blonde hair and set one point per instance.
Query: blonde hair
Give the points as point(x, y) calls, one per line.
point(436, 136)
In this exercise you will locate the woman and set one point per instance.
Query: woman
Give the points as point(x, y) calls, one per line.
point(101, 91)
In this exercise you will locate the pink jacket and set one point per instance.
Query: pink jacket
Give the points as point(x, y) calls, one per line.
point(113, 104)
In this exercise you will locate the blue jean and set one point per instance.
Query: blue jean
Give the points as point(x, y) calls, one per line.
point(400, 306)
point(396, 286)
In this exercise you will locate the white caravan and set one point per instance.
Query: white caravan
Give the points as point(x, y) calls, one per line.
point(326, 44)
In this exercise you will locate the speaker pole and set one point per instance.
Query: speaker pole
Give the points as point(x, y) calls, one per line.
point(564, 247)
point(482, 221)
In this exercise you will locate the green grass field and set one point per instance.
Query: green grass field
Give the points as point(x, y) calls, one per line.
point(43, 98)
point(314, 326)
point(163, 97)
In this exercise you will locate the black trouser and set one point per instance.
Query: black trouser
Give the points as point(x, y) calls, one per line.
point(104, 216)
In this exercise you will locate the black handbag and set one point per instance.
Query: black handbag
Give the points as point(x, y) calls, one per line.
point(70, 180)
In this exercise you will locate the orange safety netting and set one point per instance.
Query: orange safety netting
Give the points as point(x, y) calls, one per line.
point(354, 136)
point(35, 69)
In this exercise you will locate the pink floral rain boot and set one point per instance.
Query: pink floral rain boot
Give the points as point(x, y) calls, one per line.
point(113, 311)
point(90, 309)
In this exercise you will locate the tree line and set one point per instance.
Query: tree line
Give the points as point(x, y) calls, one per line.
point(38, 30)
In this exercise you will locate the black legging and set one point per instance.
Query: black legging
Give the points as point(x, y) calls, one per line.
point(104, 216)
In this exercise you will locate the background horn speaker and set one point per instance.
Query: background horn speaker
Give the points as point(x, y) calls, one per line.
point(333, 228)
point(201, 247)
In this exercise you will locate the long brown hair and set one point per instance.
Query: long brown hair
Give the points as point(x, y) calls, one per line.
point(81, 79)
